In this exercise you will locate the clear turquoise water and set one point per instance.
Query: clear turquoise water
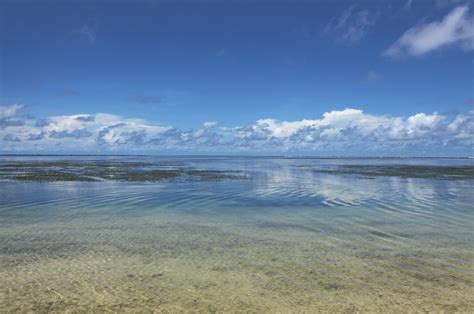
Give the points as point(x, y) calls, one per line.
point(287, 240)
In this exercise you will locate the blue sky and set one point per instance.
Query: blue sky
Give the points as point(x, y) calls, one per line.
point(237, 77)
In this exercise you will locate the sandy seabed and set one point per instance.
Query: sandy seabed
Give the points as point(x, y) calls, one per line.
point(166, 265)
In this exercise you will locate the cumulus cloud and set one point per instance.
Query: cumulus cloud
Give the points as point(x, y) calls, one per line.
point(36, 136)
point(10, 111)
point(8, 116)
point(78, 133)
point(41, 123)
point(347, 125)
point(351, 26)
point(210, 124)
point(11, 138)
point(348, 131)
point(462, 127)
point(456, 29)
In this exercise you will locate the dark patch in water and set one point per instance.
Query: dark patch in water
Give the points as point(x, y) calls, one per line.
point(404, 171)
point(90, 171)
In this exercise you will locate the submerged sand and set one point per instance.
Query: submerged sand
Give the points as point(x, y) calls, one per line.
point(171, 266)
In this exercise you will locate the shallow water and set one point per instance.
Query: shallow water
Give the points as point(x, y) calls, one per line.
point(287, 240)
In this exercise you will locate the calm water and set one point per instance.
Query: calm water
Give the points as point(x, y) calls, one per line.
point(287, 240)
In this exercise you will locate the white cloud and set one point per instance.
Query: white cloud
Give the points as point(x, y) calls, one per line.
point(10, 111)
point(351, 26)
point(282, 129)
point(89, 30)
point(463, 126)
point(407, 5)
point(210, 124)
point(8, 116)
point(349, 124)
point(349, 131)
point(373, 77)
point(69, 123)
point(455, 29)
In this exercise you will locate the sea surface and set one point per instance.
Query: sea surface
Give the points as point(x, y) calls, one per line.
point(287, 238)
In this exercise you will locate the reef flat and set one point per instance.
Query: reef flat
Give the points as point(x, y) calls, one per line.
point(404, 171)
point(90, 171)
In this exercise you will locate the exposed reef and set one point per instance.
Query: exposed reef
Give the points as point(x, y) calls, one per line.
point(404, 171)
point(89, 171)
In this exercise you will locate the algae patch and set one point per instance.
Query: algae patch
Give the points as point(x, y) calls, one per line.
point(90, 171)
point(404, 171)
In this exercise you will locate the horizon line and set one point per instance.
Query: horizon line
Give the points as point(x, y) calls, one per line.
point(237, 155)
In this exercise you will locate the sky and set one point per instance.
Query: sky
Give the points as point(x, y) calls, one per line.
point(323, 78)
